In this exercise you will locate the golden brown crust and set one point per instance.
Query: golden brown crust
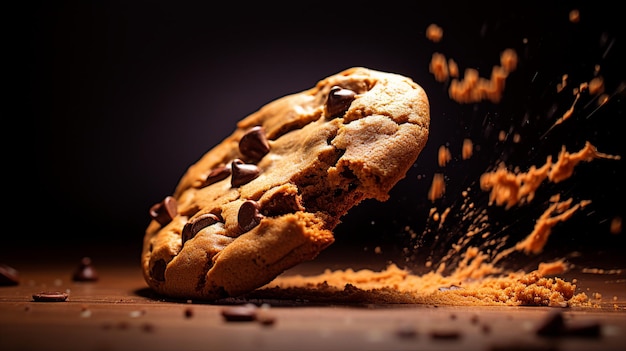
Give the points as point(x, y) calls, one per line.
point(249, 209)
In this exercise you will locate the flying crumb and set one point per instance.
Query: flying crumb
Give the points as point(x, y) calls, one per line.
point(434, 33)
point(574, 16)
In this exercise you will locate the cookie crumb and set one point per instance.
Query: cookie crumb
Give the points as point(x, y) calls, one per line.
point(574, 16)
point(434, 33)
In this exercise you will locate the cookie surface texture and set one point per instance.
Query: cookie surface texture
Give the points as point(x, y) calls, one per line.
point(269, 195)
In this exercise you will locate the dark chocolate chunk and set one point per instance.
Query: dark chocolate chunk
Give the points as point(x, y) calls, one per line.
point(553, 324)
point(164, 211)
point(188, 312)
point(8, 275)
point(587, 329)
point(216, 174)
point(157, 272)
point(254, 145)
point(242, 172)
point(338, 101)
point(85, 272)
point(196, 224)
point(244, 313)
point(50, 296)
point(249, 215)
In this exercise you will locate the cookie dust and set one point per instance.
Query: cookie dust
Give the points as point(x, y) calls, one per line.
point(437, 188)
point(616, 225)
point(594, 87)
point(574, 16)
point(437, 217)
point(473, 283)
point(468, 149)
point(570, 111)
point(439, 67)
point(563, 84)
point(510, 188)
point(444, 156)
point(434, 33)
point(473, 88)
point(537, 239)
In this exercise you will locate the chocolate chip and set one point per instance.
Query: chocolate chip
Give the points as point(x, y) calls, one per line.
point(249, 215)
point(244, 313)
point(216, 174)
point(8, 275)
point(254, 145)
point(188, 312)
point(338, 101)
point(553, 324)
point(164, 211)
point(85, 272)
point(196, 224)
point(157, 272)
point(50, 296)
point(243, 173)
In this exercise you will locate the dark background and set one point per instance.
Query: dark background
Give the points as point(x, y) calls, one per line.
point(107, 103)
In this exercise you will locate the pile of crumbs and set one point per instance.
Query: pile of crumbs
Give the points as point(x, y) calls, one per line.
point(461, 288)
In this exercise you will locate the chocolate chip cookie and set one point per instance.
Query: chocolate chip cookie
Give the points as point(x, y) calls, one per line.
point(269, 195)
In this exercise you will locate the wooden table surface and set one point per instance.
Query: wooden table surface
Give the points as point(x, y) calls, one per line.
point(118, 312)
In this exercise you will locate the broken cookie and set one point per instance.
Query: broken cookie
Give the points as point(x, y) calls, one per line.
point(269, 195)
